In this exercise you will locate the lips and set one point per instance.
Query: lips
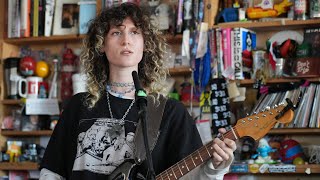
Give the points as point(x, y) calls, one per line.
point(126, 52)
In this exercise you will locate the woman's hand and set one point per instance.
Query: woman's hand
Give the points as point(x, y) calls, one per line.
point(223, 150)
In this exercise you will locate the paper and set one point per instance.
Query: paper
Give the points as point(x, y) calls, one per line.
point(204, 129)
point(42, 107)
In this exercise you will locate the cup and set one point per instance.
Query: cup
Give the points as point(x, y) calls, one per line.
point(30, 89)
point(79, 83)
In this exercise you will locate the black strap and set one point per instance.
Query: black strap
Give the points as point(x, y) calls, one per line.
point(155, 109)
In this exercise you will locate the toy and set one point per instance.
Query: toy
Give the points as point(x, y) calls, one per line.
point(27, 66)
point(289, 150)
point(263, 152)
point(261, 12)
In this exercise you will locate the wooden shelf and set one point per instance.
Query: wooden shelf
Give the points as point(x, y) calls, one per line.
point(296, 131)
point(277, 23)
point(180, 71)
point(247, 82)
point(11, 102)
point(26, 133)
point(300, 169)
point(171, 39)
point(19, 166)
point(44, 40)
point(194, 104)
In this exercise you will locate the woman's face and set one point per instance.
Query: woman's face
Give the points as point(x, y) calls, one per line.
point(123, 45)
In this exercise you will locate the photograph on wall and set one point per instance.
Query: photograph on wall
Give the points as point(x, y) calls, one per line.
point(66, 17)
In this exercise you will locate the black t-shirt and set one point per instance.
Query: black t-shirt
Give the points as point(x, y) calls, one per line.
point(89, 144)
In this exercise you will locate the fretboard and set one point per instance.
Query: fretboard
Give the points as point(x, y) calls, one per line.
point(195, 159)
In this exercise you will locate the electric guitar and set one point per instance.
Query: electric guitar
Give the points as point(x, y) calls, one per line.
point(255, 126)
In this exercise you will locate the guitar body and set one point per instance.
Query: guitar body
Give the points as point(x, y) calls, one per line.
point(123, 172)
point(255, 126)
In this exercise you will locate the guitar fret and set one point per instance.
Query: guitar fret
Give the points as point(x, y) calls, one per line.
point(193, 162)
point(234, 134)
point(207, 151)
point(186, 164)
point(180, 170)
point(168, 175)
point(173, 173)
point(200, 155)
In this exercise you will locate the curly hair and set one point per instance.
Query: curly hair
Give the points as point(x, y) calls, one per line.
point(95, 63)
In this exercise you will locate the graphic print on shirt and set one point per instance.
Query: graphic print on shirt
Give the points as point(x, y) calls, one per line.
point(103, 147)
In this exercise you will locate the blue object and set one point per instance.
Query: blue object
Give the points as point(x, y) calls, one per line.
point(229, 15)
point(87, 12)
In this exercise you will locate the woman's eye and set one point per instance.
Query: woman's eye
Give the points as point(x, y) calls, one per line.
point(135, 32)
point(116, 33)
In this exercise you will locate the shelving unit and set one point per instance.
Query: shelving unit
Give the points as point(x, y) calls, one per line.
point(15, 43)
point(300, 169)
point(13, 133)
point(7, 166)
point(267, 25)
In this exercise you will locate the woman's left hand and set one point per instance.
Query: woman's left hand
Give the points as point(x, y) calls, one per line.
point(223, 150)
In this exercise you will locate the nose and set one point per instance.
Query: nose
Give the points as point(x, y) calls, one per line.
point(125, 39)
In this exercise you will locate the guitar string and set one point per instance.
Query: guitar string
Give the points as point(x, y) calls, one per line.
point(229, 134)
point(198, 152)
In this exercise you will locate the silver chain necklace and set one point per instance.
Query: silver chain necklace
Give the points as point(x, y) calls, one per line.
point(125, 114)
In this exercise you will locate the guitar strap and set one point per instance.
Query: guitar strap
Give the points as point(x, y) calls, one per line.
point(155, 109)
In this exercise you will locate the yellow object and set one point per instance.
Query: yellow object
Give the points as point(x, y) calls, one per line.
point(258, 12)
point(254, 168)
point(42, 69)
point(298, 161)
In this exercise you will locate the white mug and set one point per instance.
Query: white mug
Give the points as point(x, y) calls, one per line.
point(31, 89)
point(79, 83)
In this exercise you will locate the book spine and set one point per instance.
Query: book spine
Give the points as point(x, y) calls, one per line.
point(49, 11)
point(226, 38)
point(237, 54)
point(35, 31)
point(25, 18)
point(41, 18)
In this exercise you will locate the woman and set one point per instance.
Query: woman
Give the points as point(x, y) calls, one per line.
point(96, 131)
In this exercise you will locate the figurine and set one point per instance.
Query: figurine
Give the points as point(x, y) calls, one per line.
point(263, 152)
point(262, 11)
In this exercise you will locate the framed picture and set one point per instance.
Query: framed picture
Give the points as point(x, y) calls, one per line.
point(66, 17)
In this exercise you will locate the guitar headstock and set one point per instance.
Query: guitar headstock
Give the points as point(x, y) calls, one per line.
point(258, 125)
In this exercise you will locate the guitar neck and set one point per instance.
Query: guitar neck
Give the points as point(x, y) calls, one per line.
point(255, 126)
point(195, 159)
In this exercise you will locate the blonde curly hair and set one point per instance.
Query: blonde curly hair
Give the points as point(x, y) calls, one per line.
point(95, 63)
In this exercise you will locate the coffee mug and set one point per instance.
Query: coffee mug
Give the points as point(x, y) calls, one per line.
point(31, 87)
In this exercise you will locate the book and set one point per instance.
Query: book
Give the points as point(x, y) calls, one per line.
point(41, 19)
point(35, 21)
point(25, 9)
point(312, 39)
point(49, 12)
point(243, 41)
point(227, 59)
point(13, 18)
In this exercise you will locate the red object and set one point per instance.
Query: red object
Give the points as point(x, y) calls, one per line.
point(27, 66)
point(67, 69)
point(289, 150)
